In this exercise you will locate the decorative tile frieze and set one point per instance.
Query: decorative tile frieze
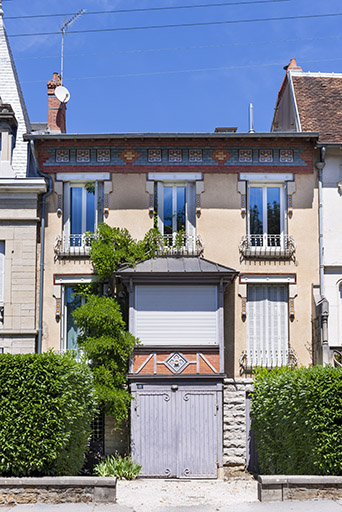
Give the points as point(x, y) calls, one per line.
point(289, 204)
point(129, 155)
point(243, 307)
point(106, 205)
point(265, 155)
point(220, 156)
point(83, 155)
point(243, 205)
point(154, 155)
point(245, 155)
point(103, 155)
point(198, 205)
point(62, 155)
point(286, 156)
point(58, 313)
point(151, 204)
point(195, 155)
point(175, 155)
point(291, 308)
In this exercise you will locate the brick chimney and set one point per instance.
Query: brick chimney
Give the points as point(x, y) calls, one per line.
point(57, 110)
point(293, 65)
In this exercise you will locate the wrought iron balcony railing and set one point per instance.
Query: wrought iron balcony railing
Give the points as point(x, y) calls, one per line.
point(267, 246)
point(267, 359)
point(179, 244)
point(73, 245)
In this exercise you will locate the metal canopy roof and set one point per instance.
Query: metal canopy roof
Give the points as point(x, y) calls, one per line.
point(183, 268)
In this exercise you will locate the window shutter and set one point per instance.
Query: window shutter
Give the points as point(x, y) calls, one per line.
point(190, 209)
point(2, 272)
point(99, 202)
point(176, 315)
point(267, 329)
point(66, 212)
point(160, 206)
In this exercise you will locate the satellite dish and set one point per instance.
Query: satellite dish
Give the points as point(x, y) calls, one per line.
point(62, 94)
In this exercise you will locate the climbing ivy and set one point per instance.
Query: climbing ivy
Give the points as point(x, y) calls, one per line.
point(104, 338)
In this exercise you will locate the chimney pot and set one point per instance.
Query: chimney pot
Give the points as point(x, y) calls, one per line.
point(293, 65)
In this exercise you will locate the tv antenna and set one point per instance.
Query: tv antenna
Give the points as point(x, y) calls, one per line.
point(63, 30)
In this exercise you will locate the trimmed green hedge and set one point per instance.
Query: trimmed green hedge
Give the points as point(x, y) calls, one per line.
point(46, 408)
point(297, 420)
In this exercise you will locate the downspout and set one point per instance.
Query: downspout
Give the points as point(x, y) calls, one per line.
point(320, 166)
point(323, 303)
point(42, 246)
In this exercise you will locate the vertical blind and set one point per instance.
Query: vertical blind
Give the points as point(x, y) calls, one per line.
point(267, 325)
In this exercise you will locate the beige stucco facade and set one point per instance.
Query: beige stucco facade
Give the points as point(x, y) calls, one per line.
point(221, 225)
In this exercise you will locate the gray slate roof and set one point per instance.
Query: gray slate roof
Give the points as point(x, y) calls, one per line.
point(190, 265)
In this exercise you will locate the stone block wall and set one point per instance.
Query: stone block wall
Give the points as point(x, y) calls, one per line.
point(235, 425)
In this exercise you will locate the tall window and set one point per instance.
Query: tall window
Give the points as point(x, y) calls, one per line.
point(83, 210)
point(176, 208)
point(70, 330)
point(267, 325)
point(266, 214)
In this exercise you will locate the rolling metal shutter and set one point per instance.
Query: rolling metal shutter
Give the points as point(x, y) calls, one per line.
point(176, 315)
point(267, 325)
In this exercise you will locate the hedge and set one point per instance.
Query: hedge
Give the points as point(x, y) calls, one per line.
point(297, 420)
point(46, 408)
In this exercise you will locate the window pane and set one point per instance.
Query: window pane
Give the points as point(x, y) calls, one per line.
point(255, 211)
point(167, 210)
point(273, 210)
point(76, 210)
point(72, 302)
point(180, 208)
point(90, 205)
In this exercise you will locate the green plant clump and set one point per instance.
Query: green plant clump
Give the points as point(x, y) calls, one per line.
point(124, 468)
point(297, 420)
point(46, 409)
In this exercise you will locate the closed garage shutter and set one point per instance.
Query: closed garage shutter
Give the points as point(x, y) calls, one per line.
point(176, 315)
point(267, 325)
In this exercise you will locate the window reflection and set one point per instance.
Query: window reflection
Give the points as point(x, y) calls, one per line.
point(72, 302)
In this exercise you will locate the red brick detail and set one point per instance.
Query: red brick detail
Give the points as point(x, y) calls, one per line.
point(56, 109)
point(220, 155)
point(129, 155)
point(140, 357)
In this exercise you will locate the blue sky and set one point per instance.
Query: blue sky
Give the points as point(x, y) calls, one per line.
point(171, 94)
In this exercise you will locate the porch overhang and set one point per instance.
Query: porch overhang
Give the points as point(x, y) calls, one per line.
point(177, 270)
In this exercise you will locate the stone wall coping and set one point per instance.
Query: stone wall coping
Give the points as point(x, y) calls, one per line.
point(299, 480)
point(238, 381)
point(58, 481)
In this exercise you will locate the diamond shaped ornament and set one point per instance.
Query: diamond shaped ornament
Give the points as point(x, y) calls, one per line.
point(176, 362)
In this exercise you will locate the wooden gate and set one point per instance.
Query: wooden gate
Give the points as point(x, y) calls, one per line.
point(177, 429)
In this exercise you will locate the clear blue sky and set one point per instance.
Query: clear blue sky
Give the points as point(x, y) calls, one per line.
point(101, 101)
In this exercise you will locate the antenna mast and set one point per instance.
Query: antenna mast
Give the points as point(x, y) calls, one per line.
point(63, 30)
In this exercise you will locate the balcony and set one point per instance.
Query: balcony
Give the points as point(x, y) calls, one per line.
point(73, 245)
point(267, 246)
point(179, 244)
point(267, 359)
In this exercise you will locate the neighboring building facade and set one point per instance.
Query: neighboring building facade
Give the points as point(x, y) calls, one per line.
point(312, 102)
point(19, 192)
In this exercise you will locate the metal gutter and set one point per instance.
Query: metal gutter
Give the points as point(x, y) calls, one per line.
point(42, 247)
point(201, 135)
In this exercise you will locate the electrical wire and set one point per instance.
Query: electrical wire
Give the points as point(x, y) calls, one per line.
point(170, 8)
point(181, 48)
point(154, 73)
point(184, 25)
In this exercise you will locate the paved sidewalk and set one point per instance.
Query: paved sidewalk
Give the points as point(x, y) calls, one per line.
point(154, 495)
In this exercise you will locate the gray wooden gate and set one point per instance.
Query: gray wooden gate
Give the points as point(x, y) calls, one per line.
point(177, 429)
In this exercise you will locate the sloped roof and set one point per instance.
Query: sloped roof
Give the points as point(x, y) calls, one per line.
point(190, 266)
point(11, 93)
point(319, 104)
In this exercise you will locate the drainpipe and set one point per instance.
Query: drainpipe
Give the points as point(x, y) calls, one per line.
point(320, 166)
point(324, 305)
point(42, 246)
